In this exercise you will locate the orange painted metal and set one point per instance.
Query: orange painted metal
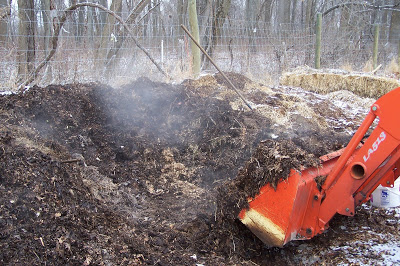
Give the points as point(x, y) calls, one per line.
point(286, 207)
point(299, 209)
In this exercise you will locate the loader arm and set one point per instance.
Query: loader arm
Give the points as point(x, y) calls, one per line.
point(299, 210)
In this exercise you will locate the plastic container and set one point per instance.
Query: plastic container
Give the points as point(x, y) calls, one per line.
point(386, 197)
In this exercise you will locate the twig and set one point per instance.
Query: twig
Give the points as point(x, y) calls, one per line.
point(215, 213)
point(252, 262)
point(59, 25)
point(238, 122)
point(41, 241)
point(376, 69)
point(71, 161)
point(36, 254)
point(212, 120)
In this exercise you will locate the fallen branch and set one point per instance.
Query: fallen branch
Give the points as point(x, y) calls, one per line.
point(72, 161)
point(59, 25)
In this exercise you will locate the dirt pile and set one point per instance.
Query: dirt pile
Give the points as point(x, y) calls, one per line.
point(137, 175)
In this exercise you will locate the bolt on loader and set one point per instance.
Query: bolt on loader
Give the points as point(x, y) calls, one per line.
point(299, 208)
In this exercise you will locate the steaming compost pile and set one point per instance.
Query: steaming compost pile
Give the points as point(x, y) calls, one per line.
point(154, 173)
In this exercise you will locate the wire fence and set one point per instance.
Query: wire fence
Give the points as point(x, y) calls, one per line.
point(93, 47)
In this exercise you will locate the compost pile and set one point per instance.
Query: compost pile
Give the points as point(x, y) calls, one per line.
point(146, 173)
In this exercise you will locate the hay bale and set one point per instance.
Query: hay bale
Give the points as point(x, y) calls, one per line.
point(326, 81)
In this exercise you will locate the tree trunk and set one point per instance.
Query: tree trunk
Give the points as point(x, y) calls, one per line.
point(26, 39)
point(283, 17)
point(82, 13)
point(266, 10)
point(103, 15)
point(90, 25)
point(5, 11)
point(309, 24)
point(47, 7)
point(295, 12)
point(283, 12)
point(47, 23)
point(310, 13)
point(182, 7)
point(113, 53)
point(207, 13)
point(251, 18)
point(108, 36)
point(221, 10)
point(394, 31)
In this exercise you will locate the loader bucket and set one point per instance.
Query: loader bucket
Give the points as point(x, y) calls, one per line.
point(276, 216)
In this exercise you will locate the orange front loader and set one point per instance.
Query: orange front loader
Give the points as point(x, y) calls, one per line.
point(298, 209)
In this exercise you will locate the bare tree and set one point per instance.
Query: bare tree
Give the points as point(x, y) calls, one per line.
point(5, 11)
point(26, 39)
point(181, 11)
point(394, 31)
point(283, 12)
point(121, 34)
point(253, 14)
point(265, 12)
point(221, 9)
point(107, 38)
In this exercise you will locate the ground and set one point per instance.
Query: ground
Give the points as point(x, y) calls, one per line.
point(140, 174)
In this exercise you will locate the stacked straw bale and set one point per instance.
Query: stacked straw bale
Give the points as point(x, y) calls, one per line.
point(326, 81)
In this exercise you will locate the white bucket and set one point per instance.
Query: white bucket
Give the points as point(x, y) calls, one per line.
point(385, 196)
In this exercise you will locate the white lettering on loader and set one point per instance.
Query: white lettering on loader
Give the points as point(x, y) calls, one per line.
point(375, 146)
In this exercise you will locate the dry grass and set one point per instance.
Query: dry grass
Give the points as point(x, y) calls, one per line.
point(326, 81)
point(393, 68)
point(368, 67)
point(347, 67)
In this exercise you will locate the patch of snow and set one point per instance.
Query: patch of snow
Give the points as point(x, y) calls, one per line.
point(389, 251)
point(27, 88)
point(273, 136)
point(7, 93)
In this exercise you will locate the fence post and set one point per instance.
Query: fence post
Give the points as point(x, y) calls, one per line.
point(194, 27)
point(318, 41)
point(376, 43)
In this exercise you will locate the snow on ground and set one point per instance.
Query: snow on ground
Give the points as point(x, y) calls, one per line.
point(353, 107)
point(6, 92)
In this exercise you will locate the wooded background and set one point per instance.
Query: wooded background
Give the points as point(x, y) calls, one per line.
point(61, 41)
